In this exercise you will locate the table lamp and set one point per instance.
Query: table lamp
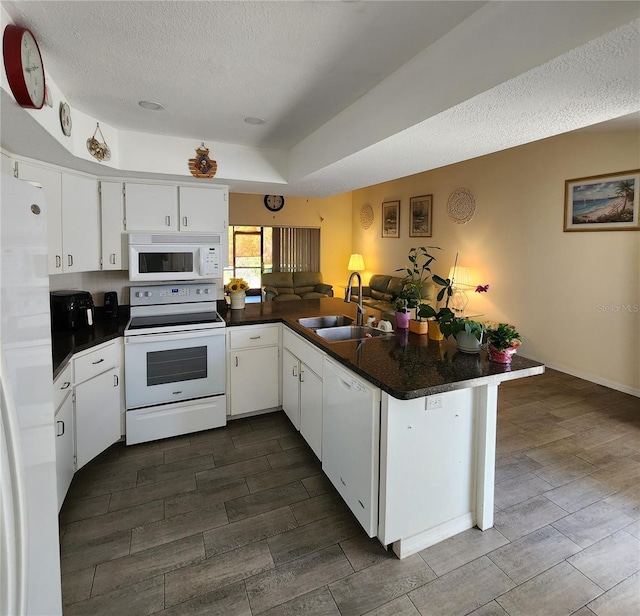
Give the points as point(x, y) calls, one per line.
point(356, 263)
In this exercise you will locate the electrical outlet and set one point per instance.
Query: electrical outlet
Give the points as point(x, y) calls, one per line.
point(433, 402)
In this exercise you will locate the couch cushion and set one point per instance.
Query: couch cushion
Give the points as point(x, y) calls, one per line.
point(395, 286)
point(286, 297)
point(306, 279)
point(379, 282)
point(312, 295)
point(305, 289)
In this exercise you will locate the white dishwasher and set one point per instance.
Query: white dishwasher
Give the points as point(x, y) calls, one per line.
point(351, 441)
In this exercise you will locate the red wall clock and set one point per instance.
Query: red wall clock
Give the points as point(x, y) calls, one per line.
point(24, 67)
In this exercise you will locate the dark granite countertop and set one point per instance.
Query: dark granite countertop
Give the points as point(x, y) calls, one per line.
point(404, 364)
point(65, 344)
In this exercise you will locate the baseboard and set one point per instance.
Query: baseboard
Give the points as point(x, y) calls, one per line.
point(590, 377)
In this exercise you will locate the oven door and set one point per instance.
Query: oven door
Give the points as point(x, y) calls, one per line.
point(161, 368)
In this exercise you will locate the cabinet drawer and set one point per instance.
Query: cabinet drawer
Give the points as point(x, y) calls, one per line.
point(95, 362)
point(248, 337)
point(62, 386)
point(303, 350)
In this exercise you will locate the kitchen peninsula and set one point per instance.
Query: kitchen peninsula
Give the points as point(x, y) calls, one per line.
point(421, 467)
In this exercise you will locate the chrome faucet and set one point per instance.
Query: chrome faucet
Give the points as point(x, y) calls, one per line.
point(347, 297)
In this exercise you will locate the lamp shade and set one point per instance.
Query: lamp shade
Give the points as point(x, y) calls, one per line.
point(356, 262)
point(461, 277)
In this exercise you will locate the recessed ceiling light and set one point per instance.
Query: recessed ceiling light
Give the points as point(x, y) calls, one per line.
point(151, 105)
point(254, 121)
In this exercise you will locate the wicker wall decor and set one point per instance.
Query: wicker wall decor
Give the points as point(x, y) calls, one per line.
point(366, 216)
point(461, 205)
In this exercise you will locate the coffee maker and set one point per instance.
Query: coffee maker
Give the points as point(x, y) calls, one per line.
point(71, 310)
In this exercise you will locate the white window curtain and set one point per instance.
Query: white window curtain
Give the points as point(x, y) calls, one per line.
point(296, 249)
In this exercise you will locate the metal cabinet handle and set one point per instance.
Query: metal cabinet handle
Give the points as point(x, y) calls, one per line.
point(112, 258)
point(254, 338)
point(302, 376)
point(97, 362)
point(175, 393)
point(116, 381)
point(236, 361)
point(184, 221)
point(167, 221)
point(69, 260)
point(60, 423)
point(58, 261)
point(66, 385)
point(294, 371)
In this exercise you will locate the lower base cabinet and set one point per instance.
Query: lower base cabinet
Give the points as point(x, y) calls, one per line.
point(65, 433)
point(97, 415)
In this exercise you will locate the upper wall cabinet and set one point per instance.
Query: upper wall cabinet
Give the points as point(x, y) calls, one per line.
point(158, 207)
point(114, 244)
point(73, 218)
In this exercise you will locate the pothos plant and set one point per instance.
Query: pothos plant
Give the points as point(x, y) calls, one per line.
point(417, 275)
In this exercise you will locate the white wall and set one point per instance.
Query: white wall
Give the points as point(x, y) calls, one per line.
point(563, 291)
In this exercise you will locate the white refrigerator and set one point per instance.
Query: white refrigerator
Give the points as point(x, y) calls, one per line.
point(29, 545)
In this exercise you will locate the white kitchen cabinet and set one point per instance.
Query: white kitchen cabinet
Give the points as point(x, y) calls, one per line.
point(254, 371)
point(350, 441)
point(65, 431)
point(151, 207)
point(302, 388)
point(51, 183)
point(97, 400)
point(80, 224)
point(203, 209)
point(6, 166)
point(158, 207)
point(73, 218)
point(114, 245)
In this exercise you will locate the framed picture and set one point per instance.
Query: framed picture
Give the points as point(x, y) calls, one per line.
point(602, 202)
point(420, 216)
point(391, 219)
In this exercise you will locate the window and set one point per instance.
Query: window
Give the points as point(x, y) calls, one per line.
point(253, 250)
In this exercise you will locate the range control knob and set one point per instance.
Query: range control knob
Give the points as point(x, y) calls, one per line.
point(207, 291)
point(199, 291)
point(138, 294)
point(147, 293)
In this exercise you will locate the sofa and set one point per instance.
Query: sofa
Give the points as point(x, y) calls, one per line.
point(381, 290)
point(286, 286)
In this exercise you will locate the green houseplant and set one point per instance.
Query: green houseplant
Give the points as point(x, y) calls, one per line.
point(468, 333)
point(504, 341)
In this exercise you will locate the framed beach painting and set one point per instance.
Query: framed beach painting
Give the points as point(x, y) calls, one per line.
point(420, 209)
point(391, 219)
point(603, 202)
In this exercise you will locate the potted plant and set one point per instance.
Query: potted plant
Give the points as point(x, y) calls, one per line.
point(237, 288)
point(468, 333)
point(417, 275)
point(504, 341)
point(401, 307)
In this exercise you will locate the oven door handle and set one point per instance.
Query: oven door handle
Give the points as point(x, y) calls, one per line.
point(149, 338)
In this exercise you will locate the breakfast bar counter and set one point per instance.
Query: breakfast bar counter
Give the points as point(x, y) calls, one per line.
point(403, 364)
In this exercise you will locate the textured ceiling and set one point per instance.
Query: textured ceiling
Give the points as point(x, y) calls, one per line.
point(354, 93)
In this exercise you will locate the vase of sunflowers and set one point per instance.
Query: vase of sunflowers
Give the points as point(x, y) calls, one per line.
point(237, 289)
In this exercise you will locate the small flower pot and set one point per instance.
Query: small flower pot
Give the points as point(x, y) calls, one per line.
point(501, 357)
point(434, 331)
point(418, 327)
point(237, 300)
point(468, 343)
point(402, 320)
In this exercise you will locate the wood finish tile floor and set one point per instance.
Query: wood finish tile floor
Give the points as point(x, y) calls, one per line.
point(241, 521)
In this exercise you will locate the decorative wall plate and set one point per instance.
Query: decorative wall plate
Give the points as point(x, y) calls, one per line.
point(366, 216)
point(202, 166)
point(461, 205)
point(65, 119)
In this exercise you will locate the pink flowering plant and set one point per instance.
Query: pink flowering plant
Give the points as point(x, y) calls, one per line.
point(503, 336)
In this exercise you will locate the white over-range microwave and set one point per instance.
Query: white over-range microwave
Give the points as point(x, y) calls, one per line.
point(157, 257)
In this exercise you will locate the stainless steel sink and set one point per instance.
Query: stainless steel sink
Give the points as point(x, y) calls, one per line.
point(337, 320)
point(349, 332)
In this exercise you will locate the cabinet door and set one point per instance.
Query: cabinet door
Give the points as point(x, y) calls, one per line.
point(311, 409)
point(203, 209)
point(114, 254)
point(51, 184)
point(80, 224)
point(65, 445)
point(254, 379)
point(151, 207)
point(97, 415)
point(291, 387)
